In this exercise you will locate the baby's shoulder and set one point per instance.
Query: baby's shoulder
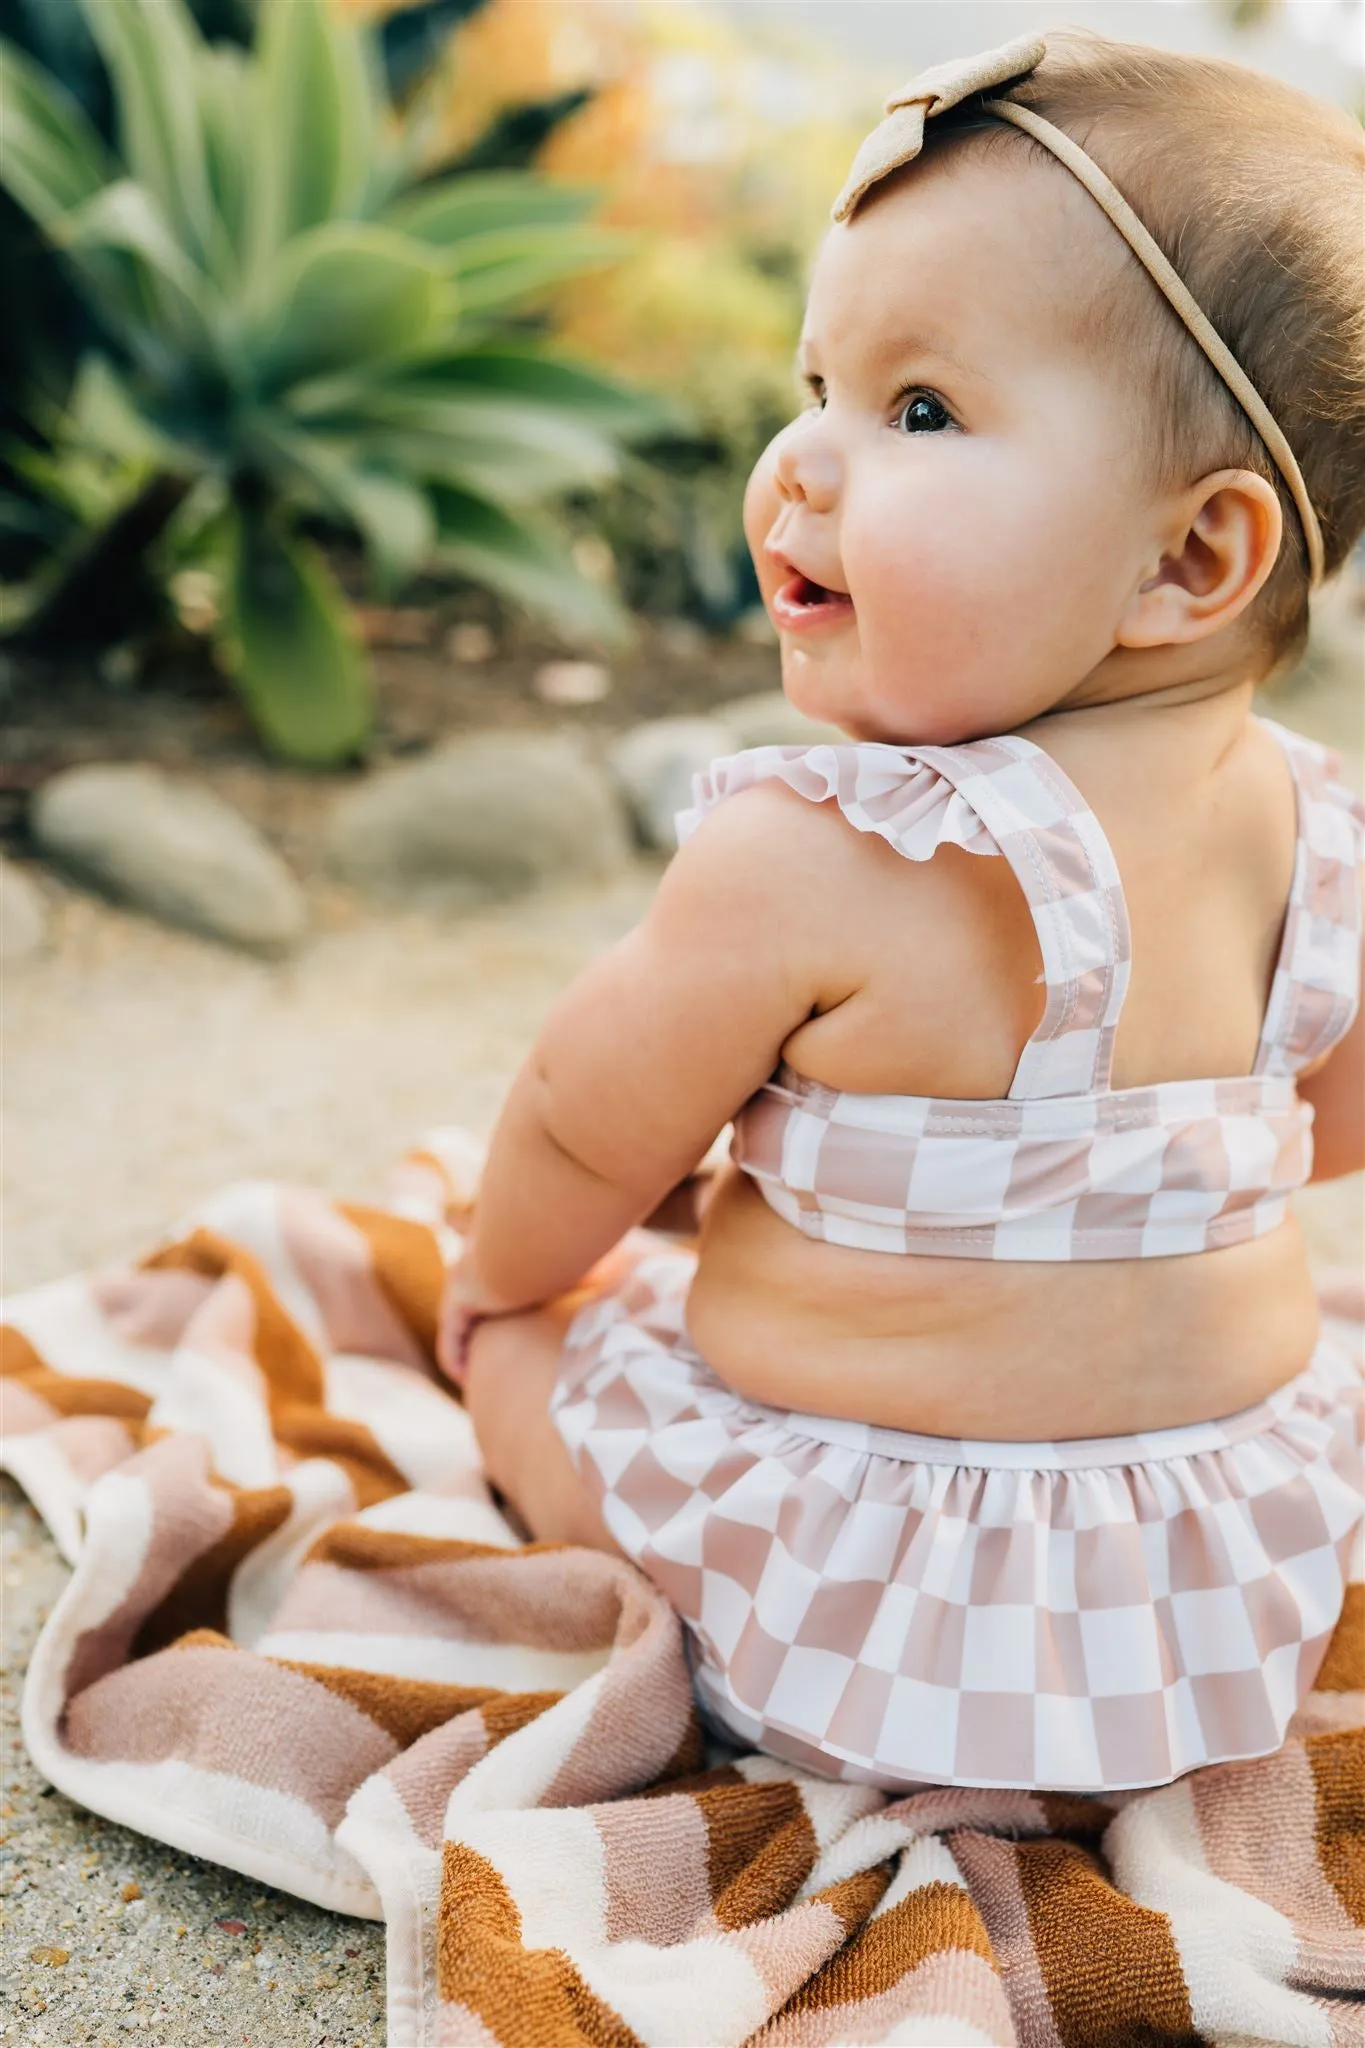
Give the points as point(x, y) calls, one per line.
point(820, 854)
point(762, 834)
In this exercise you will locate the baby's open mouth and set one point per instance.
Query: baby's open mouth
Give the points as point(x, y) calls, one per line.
point(802, 604)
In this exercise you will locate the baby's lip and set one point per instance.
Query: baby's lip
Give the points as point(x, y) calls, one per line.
point(801, 606)
point(795, 568)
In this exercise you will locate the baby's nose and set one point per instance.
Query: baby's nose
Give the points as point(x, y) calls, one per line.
point(808, 467)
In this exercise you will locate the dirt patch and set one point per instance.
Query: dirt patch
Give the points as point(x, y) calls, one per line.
point(182, 715)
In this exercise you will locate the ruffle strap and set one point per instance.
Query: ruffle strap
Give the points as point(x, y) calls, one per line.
point(878, 788)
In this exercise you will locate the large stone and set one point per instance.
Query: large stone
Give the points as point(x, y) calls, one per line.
point(655, 764)
point(23, 915)
point(173, 849)
point(478, 819)
point(768, 720)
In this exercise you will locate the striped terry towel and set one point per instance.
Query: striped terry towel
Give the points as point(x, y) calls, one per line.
point(300, 1640)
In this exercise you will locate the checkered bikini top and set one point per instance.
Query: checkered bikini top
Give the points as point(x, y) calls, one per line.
point(1064, 1167)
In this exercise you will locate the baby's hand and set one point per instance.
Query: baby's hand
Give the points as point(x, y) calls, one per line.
point(465, 1303)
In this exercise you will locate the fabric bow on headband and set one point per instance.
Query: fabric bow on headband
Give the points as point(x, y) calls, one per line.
point(900, 138)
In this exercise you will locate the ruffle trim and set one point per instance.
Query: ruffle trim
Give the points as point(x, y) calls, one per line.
point(878, 788)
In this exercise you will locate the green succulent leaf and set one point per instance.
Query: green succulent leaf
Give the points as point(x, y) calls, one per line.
point(344, 294)
point(492, 440)
point(487, 543)
point(228, 102)
point(290, 646)
point(397, 523)
point(152, 53)
point(455, 209)
point(51, 159)
point(392, 514)
point(497, 269)
point(80, 487)
point(318, 117)
point(104, 416)
point(546, 380)
point(124, 217)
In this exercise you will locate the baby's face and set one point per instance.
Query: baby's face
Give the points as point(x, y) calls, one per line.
point(967, 484)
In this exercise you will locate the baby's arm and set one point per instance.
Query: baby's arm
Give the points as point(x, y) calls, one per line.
point(648, 1054)
point(1336, 1090)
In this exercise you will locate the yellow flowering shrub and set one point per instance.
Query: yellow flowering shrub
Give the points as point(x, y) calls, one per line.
point(720, 148)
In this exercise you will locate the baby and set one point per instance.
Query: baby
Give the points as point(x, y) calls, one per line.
point(987, 1436)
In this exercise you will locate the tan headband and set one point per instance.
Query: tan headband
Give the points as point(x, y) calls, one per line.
point(900, 138)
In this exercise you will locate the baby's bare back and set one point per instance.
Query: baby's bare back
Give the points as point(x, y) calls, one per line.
point(940, 966)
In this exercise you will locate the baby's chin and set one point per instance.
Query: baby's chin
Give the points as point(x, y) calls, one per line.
point(902, 717)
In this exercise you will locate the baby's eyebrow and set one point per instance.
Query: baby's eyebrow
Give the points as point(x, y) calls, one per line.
point(895, 350)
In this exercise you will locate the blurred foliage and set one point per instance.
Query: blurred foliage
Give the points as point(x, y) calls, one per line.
point(1250, 13)
point(719, 150)
point(303, 326)
point(47, 327)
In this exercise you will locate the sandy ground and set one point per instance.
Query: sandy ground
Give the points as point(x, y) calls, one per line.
point(143, 1069)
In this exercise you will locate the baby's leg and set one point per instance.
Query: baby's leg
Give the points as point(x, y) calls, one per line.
point(513, 1362)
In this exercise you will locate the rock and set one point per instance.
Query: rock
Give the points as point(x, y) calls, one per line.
point(655, 765)
point(173, 849)
point(768, 720)
point(755, 628)
point(469, 640)
point(571, 682)
point(683, 639)
point(23, 915)
point(478, 819)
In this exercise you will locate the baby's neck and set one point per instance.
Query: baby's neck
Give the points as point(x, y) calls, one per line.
point(1196, 721)
point(1154, 679)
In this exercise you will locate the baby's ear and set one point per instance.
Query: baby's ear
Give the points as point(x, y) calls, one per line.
point(1222, 543)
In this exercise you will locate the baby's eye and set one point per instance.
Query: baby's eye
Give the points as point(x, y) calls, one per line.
point(922, 413)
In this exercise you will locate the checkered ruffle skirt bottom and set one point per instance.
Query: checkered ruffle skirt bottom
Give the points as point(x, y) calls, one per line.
point(902, 1609)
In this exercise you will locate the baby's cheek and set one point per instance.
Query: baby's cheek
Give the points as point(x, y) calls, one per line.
point(938, 632)
point(910, 581)
point(762, 503)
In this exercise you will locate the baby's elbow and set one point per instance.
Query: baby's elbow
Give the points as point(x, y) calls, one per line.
point(1337, 1153)
point(576, 1143)
point(1337, 1095)
point(1335, 1089)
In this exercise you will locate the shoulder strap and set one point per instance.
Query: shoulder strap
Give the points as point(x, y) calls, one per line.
point(880, 789)
point(995, 796)
point(1316, 986)
point(1066, 869)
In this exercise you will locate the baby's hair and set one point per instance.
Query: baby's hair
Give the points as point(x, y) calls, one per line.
point(1254, 192)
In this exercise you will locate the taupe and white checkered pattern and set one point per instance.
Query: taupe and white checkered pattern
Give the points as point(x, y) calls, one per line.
point(902, 1609)
point(1316, 988)
point(1064, 1167)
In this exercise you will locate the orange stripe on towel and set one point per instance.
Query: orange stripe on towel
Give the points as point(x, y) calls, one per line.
point(407, 1264)
point(19, 1361)
point(534, 1998)
point(1343, 1668)
point(1111, 1966)
point(292, 1371)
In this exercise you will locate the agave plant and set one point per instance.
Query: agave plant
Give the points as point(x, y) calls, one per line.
point(303, 332)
